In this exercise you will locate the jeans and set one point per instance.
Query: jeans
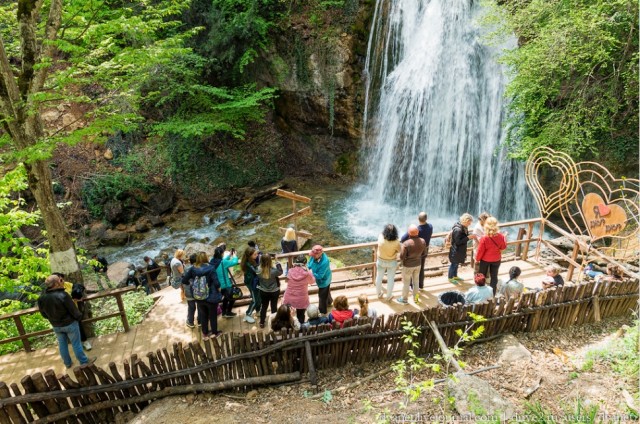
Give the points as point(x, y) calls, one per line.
point(492, 268)
point(324, 294)
point(409, 275)
point(227, 300)
point(191, 311)
point(453, 270)
point(70, 333)
point(255, 303)
point(208, 316)
point(268, 299)
point(389, 267)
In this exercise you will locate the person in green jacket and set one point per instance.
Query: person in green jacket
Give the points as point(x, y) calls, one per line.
point(320, 266)
point(224, 260)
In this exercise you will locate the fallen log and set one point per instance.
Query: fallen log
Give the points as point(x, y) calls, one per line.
point(172, 391)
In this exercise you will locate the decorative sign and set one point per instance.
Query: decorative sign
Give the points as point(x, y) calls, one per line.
point(590, 201)
point(602, 220)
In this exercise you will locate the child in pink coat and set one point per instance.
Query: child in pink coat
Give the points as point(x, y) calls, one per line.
point(298, 281)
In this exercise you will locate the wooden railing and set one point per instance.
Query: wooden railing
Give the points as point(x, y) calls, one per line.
point(24, 337)
point(241, 361)
point(522, 246)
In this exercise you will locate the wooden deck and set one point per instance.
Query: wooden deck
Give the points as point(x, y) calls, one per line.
point(165, 324)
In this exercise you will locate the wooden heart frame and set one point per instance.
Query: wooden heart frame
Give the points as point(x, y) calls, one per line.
point(591, 202)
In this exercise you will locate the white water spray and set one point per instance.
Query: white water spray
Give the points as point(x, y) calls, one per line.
point(433, 124)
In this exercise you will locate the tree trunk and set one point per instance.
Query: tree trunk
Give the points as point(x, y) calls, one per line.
point(62, 253)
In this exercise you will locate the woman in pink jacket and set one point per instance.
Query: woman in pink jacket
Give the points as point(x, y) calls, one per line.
point(298, 281)
point(490, 250)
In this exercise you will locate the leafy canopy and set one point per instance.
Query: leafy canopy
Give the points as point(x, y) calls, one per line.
point(574, 80)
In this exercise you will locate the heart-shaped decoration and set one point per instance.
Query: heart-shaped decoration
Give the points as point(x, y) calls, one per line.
point(539, 162)
point(603, 209)
point(601, 224)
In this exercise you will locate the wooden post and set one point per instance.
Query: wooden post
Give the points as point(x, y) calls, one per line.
point(295, 215)
point(443, 346)
point(123, 314)
point(596, 308)
point(574, 255)
point(521, 233)
point(374, 273)
point(313, 378)
point(539, 244)
point(23, 339)
point(529, 234)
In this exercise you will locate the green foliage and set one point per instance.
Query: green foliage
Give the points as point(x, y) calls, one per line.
point(32, 323)
point(136, 305)
point(579, 412)
point(236, 31)
point(575, 77)
point(22, 265)
point(117, 186)
point(620, 354)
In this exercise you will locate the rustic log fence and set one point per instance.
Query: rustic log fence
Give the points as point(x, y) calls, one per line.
point(240, 361)
point(24, 337)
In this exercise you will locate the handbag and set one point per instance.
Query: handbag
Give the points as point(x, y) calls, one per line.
point(236, 292)
point(175, 282)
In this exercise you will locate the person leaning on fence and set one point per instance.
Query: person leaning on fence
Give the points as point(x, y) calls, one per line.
point(387, 259)
point(458, 251)
point(553, 278)
point(480, 292)
point(341, 311)
point(298, 282)
point(320, 266)
point(57, 306)
point(269, 286)
point(411, 252)
point(153, 271)
point(513, 288)
point(489, 252)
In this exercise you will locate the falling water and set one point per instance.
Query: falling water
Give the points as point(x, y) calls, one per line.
point(433, 124)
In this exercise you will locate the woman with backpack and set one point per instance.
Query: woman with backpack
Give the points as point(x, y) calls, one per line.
point(490, 250)
point(206, 291)
point(249, 267)
point(269, 286)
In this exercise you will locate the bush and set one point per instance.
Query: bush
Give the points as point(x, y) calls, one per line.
point(118, 186)
point(31, 323)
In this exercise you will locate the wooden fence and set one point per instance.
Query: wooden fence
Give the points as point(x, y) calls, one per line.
point(24, 337)
point(240, 361)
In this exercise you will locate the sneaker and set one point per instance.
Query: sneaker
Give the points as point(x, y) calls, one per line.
point(416, 298)
point(262, 325)
point(380, 296)
point(87, 345)
point(68, 366)
point(190, 324)
point(229, 315)
point(454, 281)
point(458, 278)
point(401, 301)
point(216, 334)
point(249, 319)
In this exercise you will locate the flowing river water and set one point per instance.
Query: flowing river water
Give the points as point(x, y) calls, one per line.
point(433, 141)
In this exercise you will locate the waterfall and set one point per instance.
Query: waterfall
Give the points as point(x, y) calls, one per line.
point(433, 122)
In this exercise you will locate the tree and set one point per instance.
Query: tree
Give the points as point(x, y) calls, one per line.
point(95, 53)
point(575, 77)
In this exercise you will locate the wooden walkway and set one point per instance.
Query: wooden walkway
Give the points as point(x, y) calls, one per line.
point(165, 323)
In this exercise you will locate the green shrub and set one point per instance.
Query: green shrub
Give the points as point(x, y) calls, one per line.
point(136, 305)
point(101, 188)
point(31, 323)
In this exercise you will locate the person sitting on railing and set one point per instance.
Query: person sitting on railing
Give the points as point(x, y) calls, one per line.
point(314, 319)
point(341, 311)
point(512, 288)
point(553, 278)
point(480, 292)
point(57, 306)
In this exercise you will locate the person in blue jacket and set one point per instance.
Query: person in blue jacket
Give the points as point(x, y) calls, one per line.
point(319, 265)
point(225, 260)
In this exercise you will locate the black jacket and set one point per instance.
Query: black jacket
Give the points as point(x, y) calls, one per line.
point(57, 306)
point(459, 240)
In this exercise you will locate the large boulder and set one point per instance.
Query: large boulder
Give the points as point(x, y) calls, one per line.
point(118, 272)
point(192, 248)
point(513, 350)
point(474, 397)
point(115, 238)
point(161, 201)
